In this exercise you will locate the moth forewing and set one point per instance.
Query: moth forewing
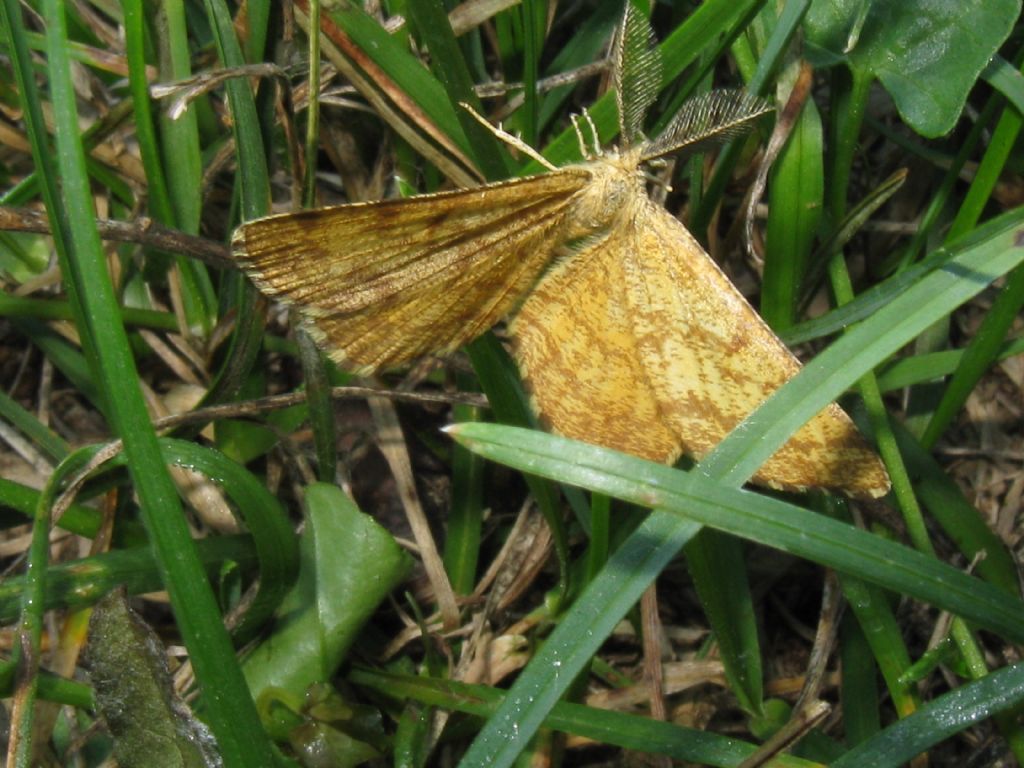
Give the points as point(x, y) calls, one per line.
point(576, 348)
point(711, 360)
point(639, 342)
point(380, 284)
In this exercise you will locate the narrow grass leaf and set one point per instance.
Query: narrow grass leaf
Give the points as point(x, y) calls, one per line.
point(606, 727)
point(908, 371)
point(961, 521)
point(1006, 79)
point(78, 519)
point(77, 584)
point(875, 615)
point(12, 412)
point(232, 715)
point(796, 191)
point(718, 568)
point(265, 519)
point(945, 716)
point(451, 70)
point(767, 521)
point(823, 379)
point(858, 692)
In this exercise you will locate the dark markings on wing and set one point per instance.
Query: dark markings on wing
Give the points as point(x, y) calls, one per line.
point(383, 283)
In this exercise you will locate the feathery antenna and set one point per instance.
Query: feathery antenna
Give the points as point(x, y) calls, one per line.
point(710, 119)
point(637, 72)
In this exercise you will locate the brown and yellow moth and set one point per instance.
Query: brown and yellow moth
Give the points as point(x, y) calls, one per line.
point(628, 335)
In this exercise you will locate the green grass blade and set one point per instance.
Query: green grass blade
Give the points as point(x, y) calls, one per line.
point(964, 524)
point(858, 691)
point(718, 569)
point(988, 256)
point(78, 519)
point(66, 357)
point(1007, 79)
point(866, 303)
point(607, 727)
point(231, 713)
point(77, 584)
point(55, 309)
point(870, 605)
point(160, 205)
point(947, 715)
point(500, 381)
point(254, 199)
point(751, 516)
point(264, 517)
point(908, 371)
point(466, 517)
point(12, 412)
point(584, 47)
point(451, 69)
point(577, 637)
point(320, 406)
point(796, 196)
point(406, 93)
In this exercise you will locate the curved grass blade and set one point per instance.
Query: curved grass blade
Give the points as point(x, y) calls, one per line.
point(83, 264)
point(996, 249)
point(761, 519)
point(624, 730)
point(943, 717)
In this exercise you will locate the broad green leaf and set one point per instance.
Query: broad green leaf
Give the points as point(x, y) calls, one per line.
point(334, 595)
point(927, 53)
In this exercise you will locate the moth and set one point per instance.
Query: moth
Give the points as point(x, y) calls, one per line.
point(627, 333)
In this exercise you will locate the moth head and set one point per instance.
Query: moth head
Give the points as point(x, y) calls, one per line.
point(616, 185)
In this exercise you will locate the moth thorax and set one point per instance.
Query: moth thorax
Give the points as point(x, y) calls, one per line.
point(613, 190)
